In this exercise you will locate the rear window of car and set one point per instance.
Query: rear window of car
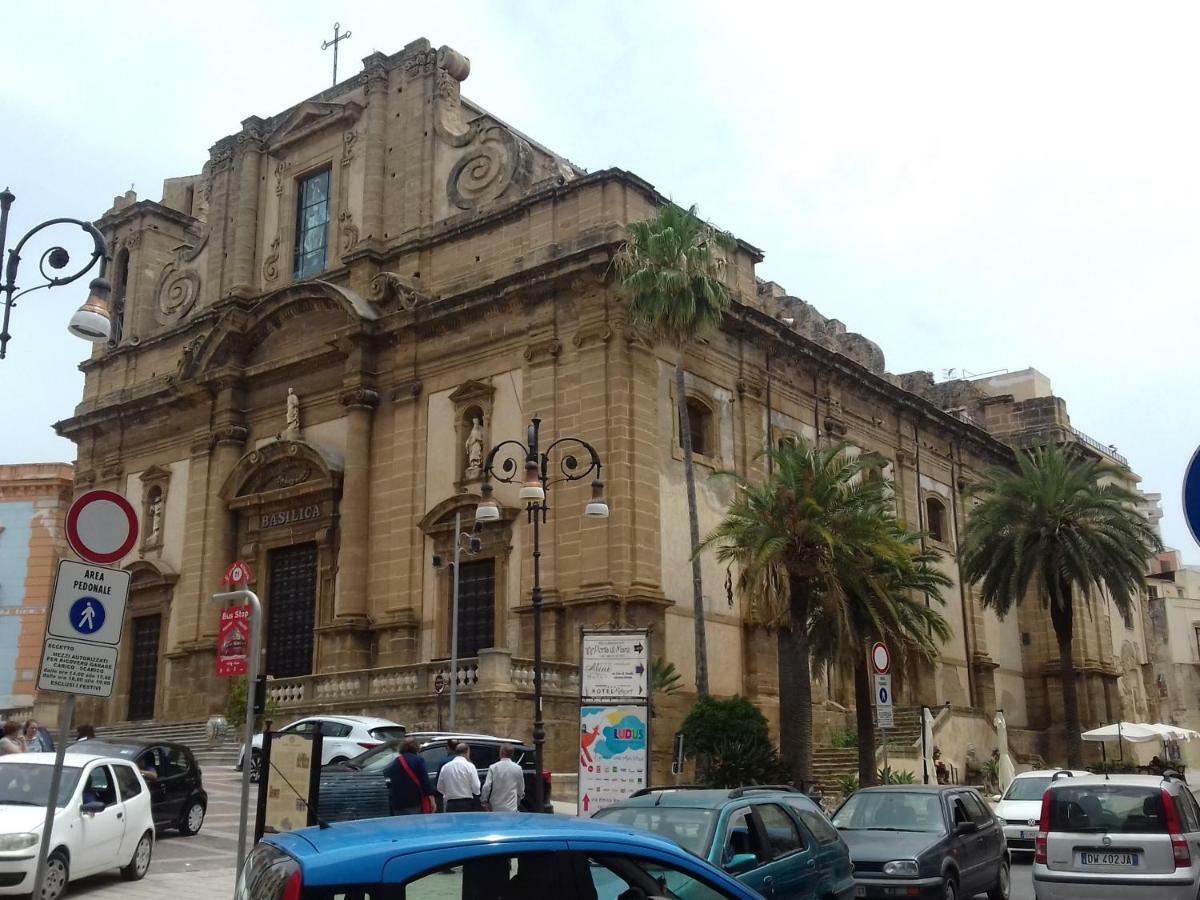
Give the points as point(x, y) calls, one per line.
point(1115, 808)
point(387, 733)
point(689, 828)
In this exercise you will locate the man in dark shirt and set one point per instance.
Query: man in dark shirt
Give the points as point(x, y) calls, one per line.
point(451, 744)
point(408, 780)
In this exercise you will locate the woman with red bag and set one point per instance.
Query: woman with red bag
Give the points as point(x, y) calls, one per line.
point(408, 782)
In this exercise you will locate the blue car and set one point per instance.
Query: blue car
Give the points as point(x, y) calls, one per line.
point(479, 856)
point(773, 839)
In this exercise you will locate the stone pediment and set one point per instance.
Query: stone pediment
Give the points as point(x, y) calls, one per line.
point(309, 118)
point(471, 390)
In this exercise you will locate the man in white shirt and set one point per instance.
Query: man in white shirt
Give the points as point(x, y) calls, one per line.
point(458, 782)
point(504, 786)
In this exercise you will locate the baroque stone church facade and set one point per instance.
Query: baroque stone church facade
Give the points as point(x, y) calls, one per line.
point(320, 331)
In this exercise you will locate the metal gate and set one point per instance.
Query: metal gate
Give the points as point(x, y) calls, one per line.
point(291, 609)
point(143, 671)
point(476, 606)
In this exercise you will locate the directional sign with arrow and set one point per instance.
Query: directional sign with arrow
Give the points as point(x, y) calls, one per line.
point(615, 666)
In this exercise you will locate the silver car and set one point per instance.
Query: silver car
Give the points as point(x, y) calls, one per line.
point(1119, 837)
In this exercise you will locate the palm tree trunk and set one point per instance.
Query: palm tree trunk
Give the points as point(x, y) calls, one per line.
point(1070, 703)
point(1063, 619)
point(795, 688)
point(863, 720)
point(685, 434)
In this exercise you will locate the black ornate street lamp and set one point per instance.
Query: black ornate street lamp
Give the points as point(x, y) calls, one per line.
point(93, 320)
point(561, 461)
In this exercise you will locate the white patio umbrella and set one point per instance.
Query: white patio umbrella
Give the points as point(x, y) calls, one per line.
point(929, 766)
point(1006, 771)
point(1134, 732)
point(1175, 733)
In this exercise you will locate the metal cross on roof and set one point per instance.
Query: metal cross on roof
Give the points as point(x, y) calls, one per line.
point(337, 38)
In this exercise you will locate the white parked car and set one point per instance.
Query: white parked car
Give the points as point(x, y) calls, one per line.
point(343, 737)
point(103, 821)
point(1021, 805)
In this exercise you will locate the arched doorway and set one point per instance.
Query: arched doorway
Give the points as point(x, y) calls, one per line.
point(285, 495)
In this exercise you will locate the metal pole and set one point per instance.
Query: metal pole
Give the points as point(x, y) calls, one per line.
point(924, 749)
point(6, 200)
point(60, 752)
point(251, 678)
point(539, 729)
point(454, 623)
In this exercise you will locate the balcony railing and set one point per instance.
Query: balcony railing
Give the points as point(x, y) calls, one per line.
point(1108, 451)
point(491, 670)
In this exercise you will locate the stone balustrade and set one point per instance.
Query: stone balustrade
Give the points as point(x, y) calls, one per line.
point(492, 670)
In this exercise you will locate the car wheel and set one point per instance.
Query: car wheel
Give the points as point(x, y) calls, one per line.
point(949, 888)
point(140, 864)
point(338, 760)
point(58, 873)
point(192, 819)
point(999, 890)
point(255, 767)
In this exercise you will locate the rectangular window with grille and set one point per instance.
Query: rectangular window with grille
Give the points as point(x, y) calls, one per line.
point(312, 225)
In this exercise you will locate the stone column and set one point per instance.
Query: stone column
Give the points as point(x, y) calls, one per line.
point(249, 145)
point(350, 600)
point(374, 146)
point(219, 550)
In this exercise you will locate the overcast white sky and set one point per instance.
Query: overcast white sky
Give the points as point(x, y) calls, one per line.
point(971, 187)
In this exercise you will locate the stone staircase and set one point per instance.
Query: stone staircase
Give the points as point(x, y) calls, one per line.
point(193, 735)
point(832, 763)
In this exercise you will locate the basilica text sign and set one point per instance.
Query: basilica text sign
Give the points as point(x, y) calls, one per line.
point(292, 516)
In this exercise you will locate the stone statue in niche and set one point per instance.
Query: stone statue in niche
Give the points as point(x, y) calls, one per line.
point(156, 514)
point(291, 431)
point(475, 449)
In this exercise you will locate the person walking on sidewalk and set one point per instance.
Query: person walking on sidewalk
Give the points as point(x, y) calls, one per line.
point(504, 786)
point(409, 789)
point(458, 782)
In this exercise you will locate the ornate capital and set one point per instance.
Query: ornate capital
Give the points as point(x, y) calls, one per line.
point(229, 434)
point(407, 390)
point(359, 397)
point(389, 285)
point(551, 347)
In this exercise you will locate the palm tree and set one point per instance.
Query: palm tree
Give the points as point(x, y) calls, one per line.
point(793, 537)
point(1057, 526)
point(886, 597)
point(671, 267)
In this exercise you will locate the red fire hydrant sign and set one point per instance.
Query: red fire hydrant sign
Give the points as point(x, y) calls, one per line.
point(232, 641)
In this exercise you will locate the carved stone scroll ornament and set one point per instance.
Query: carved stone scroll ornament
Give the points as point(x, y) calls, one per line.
point(387, 285)
point(348, 231)
point(271, 263)
point(493, 162)
point(176, 292)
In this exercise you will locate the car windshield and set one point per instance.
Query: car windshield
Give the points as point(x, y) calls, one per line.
point(1108, 808)
point(891, 811)
point(26, 784)
point(1027, 788)
point(691, 829)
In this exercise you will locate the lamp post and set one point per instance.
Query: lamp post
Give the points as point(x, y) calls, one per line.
point(559, 462)
point(473, 546)
point(93, 320)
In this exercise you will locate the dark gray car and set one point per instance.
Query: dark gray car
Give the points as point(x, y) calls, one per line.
point(938, 841)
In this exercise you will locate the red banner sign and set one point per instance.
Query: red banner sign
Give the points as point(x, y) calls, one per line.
point(233, 641)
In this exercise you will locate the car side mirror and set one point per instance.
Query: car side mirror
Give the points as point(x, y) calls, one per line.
point(741, 862)
point(92, 807)
point(966, 828)
point(996, 798)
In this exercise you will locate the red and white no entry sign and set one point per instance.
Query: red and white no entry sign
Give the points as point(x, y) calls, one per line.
point(881, 658)
point(101, 527)
point(238, 573)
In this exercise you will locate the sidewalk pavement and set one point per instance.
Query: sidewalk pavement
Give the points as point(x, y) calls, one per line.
point(210, 884)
